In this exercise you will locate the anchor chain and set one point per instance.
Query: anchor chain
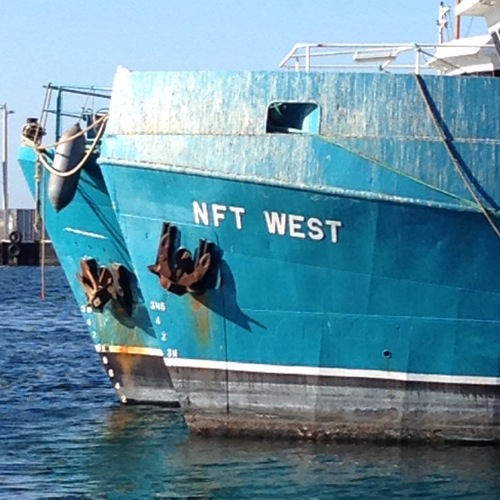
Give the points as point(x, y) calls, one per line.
point(177, 270)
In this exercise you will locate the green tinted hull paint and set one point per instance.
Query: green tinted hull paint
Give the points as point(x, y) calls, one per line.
point(87, 228)
point(358, 290)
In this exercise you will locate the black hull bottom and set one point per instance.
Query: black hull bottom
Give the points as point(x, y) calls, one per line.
point(138, 378)
point(270, 406)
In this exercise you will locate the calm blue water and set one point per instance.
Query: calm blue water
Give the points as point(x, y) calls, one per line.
point(63, 433)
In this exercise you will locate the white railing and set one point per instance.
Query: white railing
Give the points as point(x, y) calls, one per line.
point(404, 57)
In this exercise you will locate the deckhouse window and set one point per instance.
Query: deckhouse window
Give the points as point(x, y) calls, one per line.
point(292, 117)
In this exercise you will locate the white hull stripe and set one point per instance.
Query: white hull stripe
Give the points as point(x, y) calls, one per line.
point(329, 372)
point(122, 349)
point(85, 233)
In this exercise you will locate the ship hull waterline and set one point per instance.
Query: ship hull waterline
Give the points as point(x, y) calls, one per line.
point(368, 332)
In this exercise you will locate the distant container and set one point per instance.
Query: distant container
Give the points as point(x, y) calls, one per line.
point(22, 220)
point(20, 244)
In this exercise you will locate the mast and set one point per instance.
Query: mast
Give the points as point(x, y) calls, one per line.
point(5, 179)
point(442, 21)
point(457, 23)
point(5, 172)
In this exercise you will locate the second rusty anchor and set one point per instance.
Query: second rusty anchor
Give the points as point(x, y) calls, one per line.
point(102, 284)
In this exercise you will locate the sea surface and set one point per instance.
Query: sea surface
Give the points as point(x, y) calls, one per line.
point(63, 434)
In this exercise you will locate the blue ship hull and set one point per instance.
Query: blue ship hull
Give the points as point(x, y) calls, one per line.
point(353, 289)
point(88, 229)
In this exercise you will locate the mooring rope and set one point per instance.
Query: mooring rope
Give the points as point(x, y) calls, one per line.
point(42, 147)
point(39, 205)
point(398, 171)
point(82, 162)
point(41, 150)
point(42, 161)
point(451, 152)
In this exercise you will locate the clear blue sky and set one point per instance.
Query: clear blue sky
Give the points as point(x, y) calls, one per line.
point(82, 42)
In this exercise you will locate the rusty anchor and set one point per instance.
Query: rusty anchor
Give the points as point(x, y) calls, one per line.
point(121, 291)
point(102, 285)
point(176, 269)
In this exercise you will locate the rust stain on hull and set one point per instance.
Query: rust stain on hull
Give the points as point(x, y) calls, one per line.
point(201, 319)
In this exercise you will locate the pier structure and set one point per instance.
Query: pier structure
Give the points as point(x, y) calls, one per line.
point(21, 241)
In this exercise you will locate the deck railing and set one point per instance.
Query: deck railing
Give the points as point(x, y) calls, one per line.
point(72, 102)
point(405, 57)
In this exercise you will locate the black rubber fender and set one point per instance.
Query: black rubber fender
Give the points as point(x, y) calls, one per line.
point(16, 237)
point(68, 154)
point(14, 250)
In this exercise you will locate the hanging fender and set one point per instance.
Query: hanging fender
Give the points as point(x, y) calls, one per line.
point(69, 152)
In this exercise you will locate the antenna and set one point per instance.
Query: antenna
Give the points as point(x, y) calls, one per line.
point(457, 23)
point(5, 112)
point(442, 21)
